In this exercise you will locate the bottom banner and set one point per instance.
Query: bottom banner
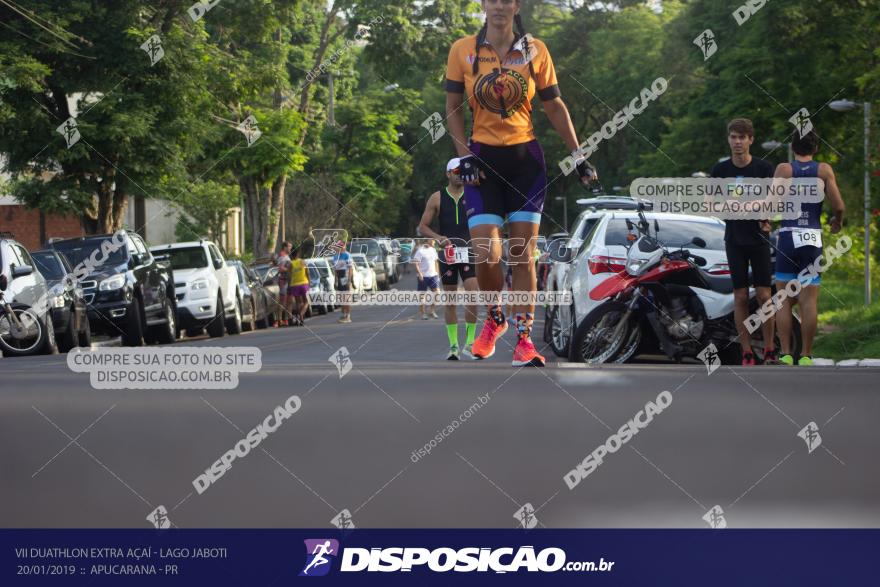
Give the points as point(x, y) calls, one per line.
point(380, 557)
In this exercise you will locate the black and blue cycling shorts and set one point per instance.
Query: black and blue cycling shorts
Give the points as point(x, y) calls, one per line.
point(514, 186)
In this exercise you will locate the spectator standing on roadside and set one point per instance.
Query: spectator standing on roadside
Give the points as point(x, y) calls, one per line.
point(427, 265)
point(299, 287)
point(344, 267)
point(283, 264)
point(747, 243)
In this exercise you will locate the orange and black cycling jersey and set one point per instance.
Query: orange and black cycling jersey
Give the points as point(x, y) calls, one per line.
point(500, 95)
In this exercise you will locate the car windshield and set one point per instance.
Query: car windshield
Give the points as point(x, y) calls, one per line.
point(261, 271)
point(360, 261)
point(369, 248)
point(673, 233)
point(186, 257)
point(77, 251)
point(49, 266)
point(313, 273)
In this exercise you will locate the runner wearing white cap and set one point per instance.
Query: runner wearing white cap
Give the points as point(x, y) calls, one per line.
point(456, 258)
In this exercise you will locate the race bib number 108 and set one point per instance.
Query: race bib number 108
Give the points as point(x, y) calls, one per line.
point(806, 237)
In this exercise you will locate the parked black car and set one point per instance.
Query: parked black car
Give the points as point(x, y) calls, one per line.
point(255, 300)
point(66, 301)
point(128, 292)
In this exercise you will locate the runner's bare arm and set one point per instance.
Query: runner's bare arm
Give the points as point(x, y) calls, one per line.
point(832, 194)
point(455, 122)
point(432, 208)
point(557, 112)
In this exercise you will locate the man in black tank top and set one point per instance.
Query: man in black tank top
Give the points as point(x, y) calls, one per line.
point(456, 257)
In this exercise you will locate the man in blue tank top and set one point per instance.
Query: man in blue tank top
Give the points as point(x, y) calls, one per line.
point(800, 245)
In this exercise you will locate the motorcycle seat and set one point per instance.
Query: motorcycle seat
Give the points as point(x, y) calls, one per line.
point(722, 284)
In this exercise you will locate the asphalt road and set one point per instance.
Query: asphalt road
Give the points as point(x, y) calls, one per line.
point(74, 456)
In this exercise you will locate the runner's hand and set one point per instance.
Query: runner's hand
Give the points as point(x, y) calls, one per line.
point(835, 226)
point(469, 170)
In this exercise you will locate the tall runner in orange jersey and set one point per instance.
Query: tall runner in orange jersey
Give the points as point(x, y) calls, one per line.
point(499, 71)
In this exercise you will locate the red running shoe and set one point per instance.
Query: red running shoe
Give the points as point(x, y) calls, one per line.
point(526, 354)
point(484, 346)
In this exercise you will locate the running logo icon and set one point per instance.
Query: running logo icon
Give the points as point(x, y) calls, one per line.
point(68, 130)
point(810, 435)
point(526, 516)
point(320, 553)
point(343, 520)
point(434, 125)
point(341, 359)
point(801, 121)
point(159, 518)
point(250, 129)
point(153, 48)
point(709, 356)
point(715, 518)
point(706, 42)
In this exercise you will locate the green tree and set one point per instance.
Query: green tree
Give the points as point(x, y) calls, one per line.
point(139, 124)
point(205, 209)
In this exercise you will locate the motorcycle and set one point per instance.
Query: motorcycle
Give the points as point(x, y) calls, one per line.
point(664, 295)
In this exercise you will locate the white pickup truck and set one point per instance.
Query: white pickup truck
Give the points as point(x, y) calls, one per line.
point(205, 286)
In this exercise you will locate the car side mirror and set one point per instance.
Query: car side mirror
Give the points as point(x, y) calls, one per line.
point(21, 271)
point(697, 241)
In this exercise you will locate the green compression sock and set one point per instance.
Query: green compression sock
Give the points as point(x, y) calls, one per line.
point(452, 333)
point(471, 332)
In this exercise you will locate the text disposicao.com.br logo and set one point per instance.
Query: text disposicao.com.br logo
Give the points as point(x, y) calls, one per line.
point(320, 553)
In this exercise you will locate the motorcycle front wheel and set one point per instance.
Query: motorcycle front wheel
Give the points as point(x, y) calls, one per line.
point(594, 341)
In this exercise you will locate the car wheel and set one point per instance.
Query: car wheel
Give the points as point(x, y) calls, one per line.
point(85, 335)
point(167, 333)
point(234, 324)
point(67, 340)
point(265, 321)
point(251, 323)
point(216, 327)
point(560, 332)
point(134, 327)
point(50, 347)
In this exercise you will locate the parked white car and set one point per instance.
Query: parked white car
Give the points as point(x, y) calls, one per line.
point(206, 287)
point(603, 254)
point(365, 277)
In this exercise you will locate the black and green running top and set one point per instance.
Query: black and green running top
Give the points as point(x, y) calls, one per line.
point(452, 217)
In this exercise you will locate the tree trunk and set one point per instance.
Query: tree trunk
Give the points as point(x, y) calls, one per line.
point(277, 206)
point(117, 216)
point(252, 218)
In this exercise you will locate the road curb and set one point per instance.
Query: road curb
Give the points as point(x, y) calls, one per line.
point(96, 344)
point(847, 363)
